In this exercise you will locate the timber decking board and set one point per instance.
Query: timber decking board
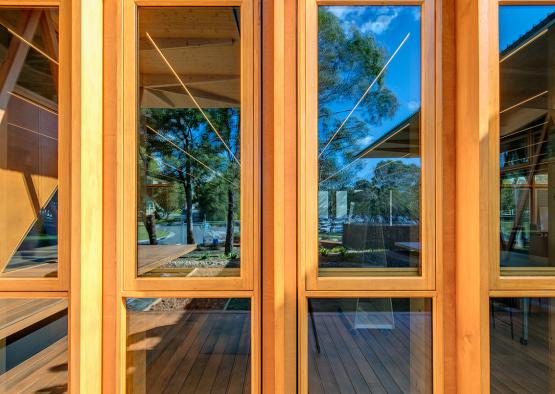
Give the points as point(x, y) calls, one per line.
point(18, 314)
point(41, 270)
point(197, 351)
point(518, 368)
point(381, 357)
point(153, 256)
point(46, 371)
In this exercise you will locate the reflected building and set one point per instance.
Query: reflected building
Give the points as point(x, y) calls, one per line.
point(527, 149)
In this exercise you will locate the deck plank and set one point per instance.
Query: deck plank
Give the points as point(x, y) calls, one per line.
point(153, 256)
point(239, 380)
point(348, 344)
point(44, 369)
point(222, 378)
point(186, 364)
point(344, 384)
point(19, 314)
point(164, 367)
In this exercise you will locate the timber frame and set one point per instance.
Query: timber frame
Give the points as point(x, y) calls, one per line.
point(436, 183)
point(460, 189)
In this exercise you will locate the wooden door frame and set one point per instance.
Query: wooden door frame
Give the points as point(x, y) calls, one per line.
point(441, 287)
point(279, 193)
point(119, 272)
point(375, 279)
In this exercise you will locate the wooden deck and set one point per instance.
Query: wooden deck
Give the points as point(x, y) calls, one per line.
point(153, 256)
point(18, 314)
point(45, 372)
point(189, 352)
point(368, 360)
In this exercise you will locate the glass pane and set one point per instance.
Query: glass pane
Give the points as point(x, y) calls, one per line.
point(29, 142)
point(370, 345)
point(369, 99)
point(186, 345)
point(527, 139)
point(33, 345)
point(521, 345)
point(188, 219)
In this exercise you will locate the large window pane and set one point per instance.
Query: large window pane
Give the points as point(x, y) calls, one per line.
point(188, 345)
point(369, 100)
point(28, 142)
point(521, 341)
point(369, 345)
point(189, 133)
point(527, 138)
point(33, 345)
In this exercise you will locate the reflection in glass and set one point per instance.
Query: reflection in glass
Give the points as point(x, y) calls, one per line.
point(33, 346)
point(521, 345)
point(29, 142)
point(372, 345)
point(527, 138)
point(189, 135)
point(369, 102)
point(188, 345)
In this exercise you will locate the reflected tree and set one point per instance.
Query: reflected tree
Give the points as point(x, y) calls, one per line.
point(227, 122)
point(348, 61)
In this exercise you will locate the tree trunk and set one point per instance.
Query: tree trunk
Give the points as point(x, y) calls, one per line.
point(148, 220)
point(229, 226)
point(189, 203)
point(150, 225)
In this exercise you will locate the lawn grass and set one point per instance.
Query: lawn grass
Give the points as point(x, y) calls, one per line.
point(142, 234)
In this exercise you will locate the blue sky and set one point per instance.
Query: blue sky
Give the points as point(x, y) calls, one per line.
point(389, 25)
point(514, 21)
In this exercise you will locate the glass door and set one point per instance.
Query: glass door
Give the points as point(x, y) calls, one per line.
point(190, 207)
point(367, 198)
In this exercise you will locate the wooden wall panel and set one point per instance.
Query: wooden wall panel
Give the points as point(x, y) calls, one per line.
point(111, 304)
point(446, 269)
point(279, 126)
point(471, 208)
point(87, 159)
point(30, 174)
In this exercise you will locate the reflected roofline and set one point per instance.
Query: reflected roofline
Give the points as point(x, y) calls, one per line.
point(546, 23)
point(385, 137)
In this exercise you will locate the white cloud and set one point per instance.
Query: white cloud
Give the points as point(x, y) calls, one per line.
point(365, 141)
point(382, 22)
point(340, 11)
point(413, 105)
point(416, 13)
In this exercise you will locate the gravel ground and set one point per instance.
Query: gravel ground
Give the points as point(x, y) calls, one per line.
point(188, 304)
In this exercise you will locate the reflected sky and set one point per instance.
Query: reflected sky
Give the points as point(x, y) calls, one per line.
point(388, 26)
point(514, 21)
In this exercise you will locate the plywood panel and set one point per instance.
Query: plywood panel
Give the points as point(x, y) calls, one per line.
point(29, 177)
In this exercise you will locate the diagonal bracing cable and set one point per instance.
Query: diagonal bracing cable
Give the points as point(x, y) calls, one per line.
point(364, 94)
point(188, 154)
point(190, 95)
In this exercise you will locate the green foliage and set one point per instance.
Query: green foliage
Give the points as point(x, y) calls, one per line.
point(204, 256)
point(348, 61)
point(186, 151)
point(400, 180)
